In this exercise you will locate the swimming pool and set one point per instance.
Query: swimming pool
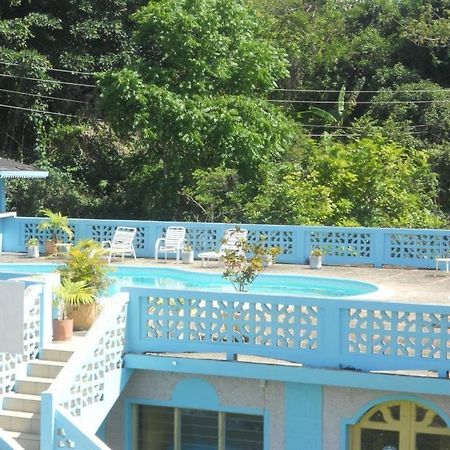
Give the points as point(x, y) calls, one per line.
point(172, 278)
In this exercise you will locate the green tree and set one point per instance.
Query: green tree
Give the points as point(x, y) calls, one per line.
point(368, 182)
point(194, 99)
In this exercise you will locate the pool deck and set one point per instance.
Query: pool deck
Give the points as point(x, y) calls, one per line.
point(416, 286)
point(404, 285)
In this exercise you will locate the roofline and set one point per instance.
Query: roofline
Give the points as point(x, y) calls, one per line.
point(23, 174)
point(269, 372)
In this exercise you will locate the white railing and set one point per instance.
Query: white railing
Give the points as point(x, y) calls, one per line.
point(12, 364)
point(87, 387)
point(8, 443)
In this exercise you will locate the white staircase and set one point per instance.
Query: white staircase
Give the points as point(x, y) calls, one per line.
point(20, 416)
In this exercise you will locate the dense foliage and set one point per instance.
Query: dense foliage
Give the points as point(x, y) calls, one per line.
point(276, 111)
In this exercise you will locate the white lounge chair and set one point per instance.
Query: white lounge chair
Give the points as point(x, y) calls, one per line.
point(230, 241)
point(121, 244)
point(172, 242)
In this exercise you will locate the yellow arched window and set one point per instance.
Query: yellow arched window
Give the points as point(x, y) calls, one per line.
point(401, 425)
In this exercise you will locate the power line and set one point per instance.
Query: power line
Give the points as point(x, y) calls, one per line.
point(41, 111)
point(362, 91)
point(351, 128)
point(43, 96)
point(330, 102)
point(47, 81)
point(354, 134)
point(72, 72)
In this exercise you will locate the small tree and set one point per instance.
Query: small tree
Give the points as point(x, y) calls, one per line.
point(244, 264)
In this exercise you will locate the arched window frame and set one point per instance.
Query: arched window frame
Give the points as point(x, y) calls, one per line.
point(348, 423)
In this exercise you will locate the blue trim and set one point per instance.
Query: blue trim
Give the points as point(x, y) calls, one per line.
point(307, 375)
point(186, 400)
point(303, 412)
point(349, 421)
point(205, 396)
point(2, 196)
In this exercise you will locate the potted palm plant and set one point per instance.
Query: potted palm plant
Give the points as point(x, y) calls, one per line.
point(55, 223)
point(33, 247)
point(86, 263)
point(68, 294)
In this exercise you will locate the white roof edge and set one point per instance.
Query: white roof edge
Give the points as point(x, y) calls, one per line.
point(23, 174)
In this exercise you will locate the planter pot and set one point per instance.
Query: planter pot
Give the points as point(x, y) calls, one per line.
point(33, 251)
point(50, 247)
point(62, 329)
point(187, 257)
point(315, 262)
point(84, 316)
point(268, 261)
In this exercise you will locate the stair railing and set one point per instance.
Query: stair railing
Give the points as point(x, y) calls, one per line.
point(89, 384)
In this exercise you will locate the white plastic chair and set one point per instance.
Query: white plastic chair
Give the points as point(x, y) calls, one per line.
point(230, 240)
point(172, 242)
point(121, 243)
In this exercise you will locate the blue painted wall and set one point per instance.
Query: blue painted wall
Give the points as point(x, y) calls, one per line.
point(343, 245)
point(303, 412)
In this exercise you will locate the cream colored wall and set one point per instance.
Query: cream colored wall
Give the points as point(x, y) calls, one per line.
point(232, 393)
point(340, 403)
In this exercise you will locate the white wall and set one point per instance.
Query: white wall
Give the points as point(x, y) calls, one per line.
point(12, 317)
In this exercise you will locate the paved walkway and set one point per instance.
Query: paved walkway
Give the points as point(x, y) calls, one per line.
point(411, 285)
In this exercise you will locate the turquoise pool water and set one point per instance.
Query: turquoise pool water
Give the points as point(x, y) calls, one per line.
point(184, 279)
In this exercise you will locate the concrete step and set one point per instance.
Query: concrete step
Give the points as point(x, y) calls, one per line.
point(20, 421)
point(44, 368)
point(32, 385)
point(29, 441)
point(54, 354)
point(22, 402)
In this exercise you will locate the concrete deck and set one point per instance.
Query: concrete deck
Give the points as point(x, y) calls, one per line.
point(404, 285)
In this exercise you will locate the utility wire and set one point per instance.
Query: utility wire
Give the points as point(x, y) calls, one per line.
point(72, 72)
point(38, 111)
point(361, 91)
point(330, 102)
point(43, 96)
point(47, 81)
point(350, 128)
point(354, 134)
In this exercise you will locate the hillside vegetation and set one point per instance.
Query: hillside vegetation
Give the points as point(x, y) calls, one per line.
point(271, 111)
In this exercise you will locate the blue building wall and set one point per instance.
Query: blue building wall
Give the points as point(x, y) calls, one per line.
point(297, 415)
point(303, 405)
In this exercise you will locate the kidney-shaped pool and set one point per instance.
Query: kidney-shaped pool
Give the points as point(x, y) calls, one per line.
point(173, 278)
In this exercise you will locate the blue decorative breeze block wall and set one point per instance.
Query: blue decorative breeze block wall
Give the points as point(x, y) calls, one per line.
point(332, 333)
point(371, 246)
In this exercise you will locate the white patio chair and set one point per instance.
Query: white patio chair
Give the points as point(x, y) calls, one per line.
point(121, 243)
point(230, 241)
point(172, 242)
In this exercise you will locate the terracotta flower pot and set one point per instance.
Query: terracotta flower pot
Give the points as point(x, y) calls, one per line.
point(62, 329)
point(50, 247)
point(84, 316)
